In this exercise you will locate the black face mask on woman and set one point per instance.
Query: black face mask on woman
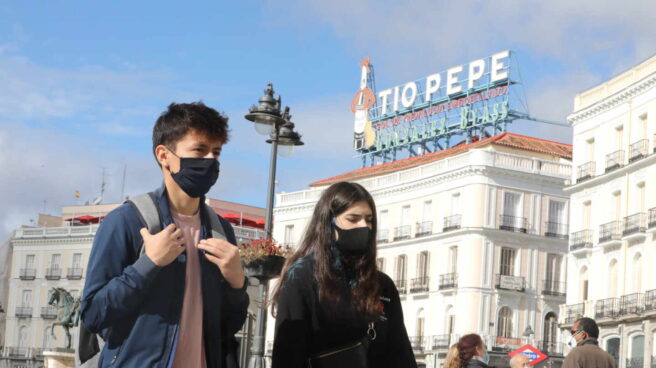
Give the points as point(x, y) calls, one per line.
point(196, 175)
point(353, 241)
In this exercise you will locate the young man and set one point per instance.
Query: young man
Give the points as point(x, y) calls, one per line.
point(180, 302)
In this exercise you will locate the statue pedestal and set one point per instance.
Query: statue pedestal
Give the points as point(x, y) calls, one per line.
point(65, 358)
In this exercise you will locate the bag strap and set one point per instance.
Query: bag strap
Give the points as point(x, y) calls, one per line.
point(148, 212)
point(217, 228)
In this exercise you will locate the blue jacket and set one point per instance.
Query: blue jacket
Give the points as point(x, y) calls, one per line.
point(136, 305)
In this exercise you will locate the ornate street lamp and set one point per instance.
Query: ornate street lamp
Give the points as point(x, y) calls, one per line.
point(269, 120)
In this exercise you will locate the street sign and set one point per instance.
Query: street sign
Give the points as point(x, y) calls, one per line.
point(534, 355)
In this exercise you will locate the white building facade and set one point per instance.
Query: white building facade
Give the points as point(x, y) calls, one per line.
point(613, 212)
point(474, 237)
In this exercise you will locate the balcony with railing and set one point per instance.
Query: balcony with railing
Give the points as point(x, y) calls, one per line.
point(448, 281)
point(585, 172)
point(650, 301)
point(638, 150)
point(556, 230)
point(23, 312)
point(37, 353)
point(513, 223)
point(636, 362)
point(27, 273)
point(554, 288)
point(382, 236)
point(580, 240)
point(17, 352)
point(550, 347)
point(635, 226)
point(48, 312)
point(507, 282)
point(452, 222)
point(440, 342)
point(402, 232)
point(607, 308)
point(419, 285)
point(651, 223)
point(632, 304)
point(401, 286)
point(573, 312)
point(53, 273)
point(614, 160)
point(418, 343)
point(610, 234)
point(74, 273)
point(424, 228)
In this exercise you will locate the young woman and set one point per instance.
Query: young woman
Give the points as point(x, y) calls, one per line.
point(333, 307)
point(472, 352)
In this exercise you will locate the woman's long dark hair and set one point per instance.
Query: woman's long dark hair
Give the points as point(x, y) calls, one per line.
point(467, 346)
point(318, 240)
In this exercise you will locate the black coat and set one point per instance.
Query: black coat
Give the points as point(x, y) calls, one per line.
point(305, 328)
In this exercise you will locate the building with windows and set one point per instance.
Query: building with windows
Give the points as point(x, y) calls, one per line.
point(613, 212)
point(54, 254)
point(475, 237)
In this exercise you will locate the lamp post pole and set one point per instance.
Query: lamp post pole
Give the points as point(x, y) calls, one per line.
point(268, 112)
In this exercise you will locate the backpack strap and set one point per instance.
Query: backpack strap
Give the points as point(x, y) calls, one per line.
point(217, 228)
point(148, 212)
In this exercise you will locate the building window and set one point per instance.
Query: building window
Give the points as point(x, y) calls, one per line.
point(400, 268)
point(556, 212)
point(505, 326)
point(422, 265)
point(453, 259)
point(47, 339)
point(553, 267)
point(613, 347)
point(591, 149)
point(587, 211)
point(405, 216)
point(77, 261)
point(380, 264)
point(289, 235)
point(22, 337)
point(427, 211)
point(55, 259)
point(455, 204)
point(383, 220)
point(637, 273)
point(637, 352)
point(550, 330)
point(612, 279)
point(584, 284)
point(29, 261)
point(27, 298)
point(507, 266)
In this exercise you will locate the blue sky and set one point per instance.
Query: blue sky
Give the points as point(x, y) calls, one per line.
point(81, 83)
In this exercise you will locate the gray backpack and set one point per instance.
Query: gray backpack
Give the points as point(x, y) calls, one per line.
point(148, 212)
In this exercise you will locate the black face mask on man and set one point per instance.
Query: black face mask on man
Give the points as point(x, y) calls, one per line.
point(353, 241)
point(196, 175)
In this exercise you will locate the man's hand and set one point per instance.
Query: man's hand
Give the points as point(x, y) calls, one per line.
point(226, 257)
point(165, 246)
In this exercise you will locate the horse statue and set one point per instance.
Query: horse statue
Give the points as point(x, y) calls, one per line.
point(67, 311)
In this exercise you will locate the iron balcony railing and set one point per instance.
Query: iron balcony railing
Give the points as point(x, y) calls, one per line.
point(74, 273)
point(424, 228)
point(554, 288)
point(550, 347)
point(632, 304)
point(652, 218)
point(48, 312)
point(419, 285)
point(636, 223)
point(506, 282)
point(401, 286)
point(448, 281)
point(580, 239)
point(17, 352)
point(610, 231)
point(37, 353)
point(53, 273)
point(585, 171)
point(402, 232)
point(440, 342)
point(638, 150)
point(614, 160)
point(418, 342)
point(382, 236)
point(607, 308)
point(513, 223)
point(27, 273)
point(650, 300)
point(637, 362)
point(452, 222)
point(574, 312)
point(24, 312)
point(556, 230)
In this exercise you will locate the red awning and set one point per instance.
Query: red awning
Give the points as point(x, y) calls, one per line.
point(237, 219)
point(260, 223)
point(86, 219)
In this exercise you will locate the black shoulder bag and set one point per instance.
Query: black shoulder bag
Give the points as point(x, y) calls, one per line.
point(351, 355)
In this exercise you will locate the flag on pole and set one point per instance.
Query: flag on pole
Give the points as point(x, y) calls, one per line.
point(77, 194)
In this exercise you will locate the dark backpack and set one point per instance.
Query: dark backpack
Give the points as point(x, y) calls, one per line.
point(148, 212)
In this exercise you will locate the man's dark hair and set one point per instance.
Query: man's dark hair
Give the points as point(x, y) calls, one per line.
point(180, 118)
point(589, 326)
